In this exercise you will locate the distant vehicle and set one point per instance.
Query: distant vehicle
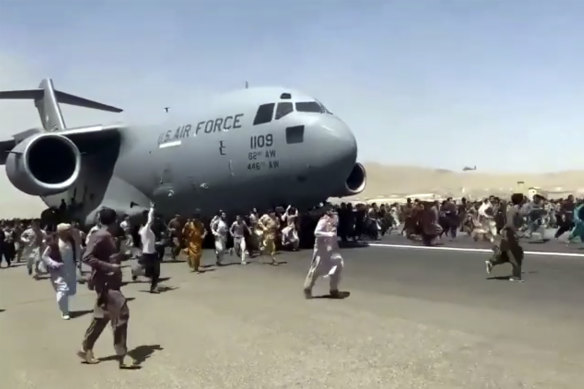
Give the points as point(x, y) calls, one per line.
point(468, 168)
point(255, 147)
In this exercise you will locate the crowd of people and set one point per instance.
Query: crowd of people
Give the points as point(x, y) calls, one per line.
point(58, 247)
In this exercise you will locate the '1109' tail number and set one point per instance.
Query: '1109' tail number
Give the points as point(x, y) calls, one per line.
point(259, 141)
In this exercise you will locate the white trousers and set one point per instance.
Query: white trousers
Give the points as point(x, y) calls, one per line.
point(240, 247)
point(33, 258)
point(62, 293)
point(219, 248)
point(325, 265)
point(290, 237)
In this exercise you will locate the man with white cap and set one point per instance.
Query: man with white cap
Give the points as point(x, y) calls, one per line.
point(219, 229)
point(326, 259)
point(60, 255)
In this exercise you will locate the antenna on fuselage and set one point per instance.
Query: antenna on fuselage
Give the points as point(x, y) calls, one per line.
point(246, 85)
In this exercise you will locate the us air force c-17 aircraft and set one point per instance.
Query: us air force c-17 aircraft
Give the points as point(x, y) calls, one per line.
point(256, 147)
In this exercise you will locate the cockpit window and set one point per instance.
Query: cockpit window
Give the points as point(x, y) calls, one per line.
point(324, 108)
point(283, 110)
point(309, 106)
point(264, 114)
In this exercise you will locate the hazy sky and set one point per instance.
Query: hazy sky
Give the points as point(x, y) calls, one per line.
point(499, 84)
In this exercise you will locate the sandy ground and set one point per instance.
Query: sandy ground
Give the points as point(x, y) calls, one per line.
point(414, 319)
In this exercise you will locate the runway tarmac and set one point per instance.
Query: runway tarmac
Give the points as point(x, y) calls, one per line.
point(415, 318)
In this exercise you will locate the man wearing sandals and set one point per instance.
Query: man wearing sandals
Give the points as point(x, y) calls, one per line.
point(106, 279)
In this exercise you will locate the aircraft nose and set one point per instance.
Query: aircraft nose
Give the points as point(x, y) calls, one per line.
point(339, 143)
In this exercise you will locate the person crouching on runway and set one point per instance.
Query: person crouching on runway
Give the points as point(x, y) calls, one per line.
point(326, 259)
point(507, 248)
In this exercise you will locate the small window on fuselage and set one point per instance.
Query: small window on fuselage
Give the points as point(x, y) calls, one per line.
point(283, 110)
point(309, 106)
point(264, 114)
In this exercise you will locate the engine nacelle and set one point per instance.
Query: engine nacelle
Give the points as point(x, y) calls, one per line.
point(44, 164)
point(356, 181)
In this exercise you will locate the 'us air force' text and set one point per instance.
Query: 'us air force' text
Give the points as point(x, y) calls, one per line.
point(205, 127)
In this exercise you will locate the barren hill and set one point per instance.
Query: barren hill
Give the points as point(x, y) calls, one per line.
point(385, 180)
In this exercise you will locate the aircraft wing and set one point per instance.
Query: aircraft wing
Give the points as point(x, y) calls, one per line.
point(5, 147)
point(89, 137)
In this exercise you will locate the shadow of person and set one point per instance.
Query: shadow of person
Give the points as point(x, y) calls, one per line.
point(74, 314)
point(499, 278)
point(205, 270)
point(144, 280)
point(341, 296)
point(162, 289)
point(140, 354)
point(175, 261)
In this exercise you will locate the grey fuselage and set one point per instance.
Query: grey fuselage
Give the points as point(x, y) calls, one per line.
point(218, 159)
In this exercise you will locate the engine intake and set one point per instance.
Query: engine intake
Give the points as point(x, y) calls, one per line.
point(355, 183)
point(44, 164)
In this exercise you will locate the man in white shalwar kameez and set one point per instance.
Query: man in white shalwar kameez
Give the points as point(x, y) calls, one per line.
point(219, 229)
point(33, 241)
point(60, 256)
point(289, 233)
point(326, 259)
point(487, 221)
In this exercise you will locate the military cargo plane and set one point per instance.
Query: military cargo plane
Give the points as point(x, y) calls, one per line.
point(255, 147)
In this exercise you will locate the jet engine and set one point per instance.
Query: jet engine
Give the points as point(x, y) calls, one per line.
point(356, 181)
point(43, 164)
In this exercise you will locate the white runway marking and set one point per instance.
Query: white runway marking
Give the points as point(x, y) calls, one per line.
point(471, 250)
